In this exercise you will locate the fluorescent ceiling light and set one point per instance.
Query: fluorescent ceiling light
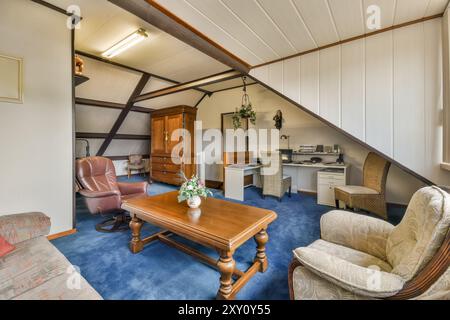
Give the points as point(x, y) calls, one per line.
point(126, 43)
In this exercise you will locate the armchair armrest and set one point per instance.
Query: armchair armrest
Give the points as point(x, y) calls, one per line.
point(17, 228)
point(98, 194)
point(356, 231)
point(133, 188)
point(362, 281)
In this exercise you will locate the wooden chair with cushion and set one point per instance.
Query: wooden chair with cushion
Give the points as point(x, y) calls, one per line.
point(135, 162)
point(274, 182)
point(370, 196)
point(361, 257)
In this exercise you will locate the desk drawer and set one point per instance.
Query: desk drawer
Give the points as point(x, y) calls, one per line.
point(166, 167)
point(167, 177)
point(161, 160)
point(331, 183)
point(326, 178)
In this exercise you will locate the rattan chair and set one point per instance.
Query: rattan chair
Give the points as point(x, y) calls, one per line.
point(274, 182)
point(370, 196)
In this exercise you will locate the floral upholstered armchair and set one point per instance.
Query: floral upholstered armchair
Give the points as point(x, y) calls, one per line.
point(360, 257)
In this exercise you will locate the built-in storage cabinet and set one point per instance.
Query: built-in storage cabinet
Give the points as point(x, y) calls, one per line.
point(327, 180)
point(164, 123)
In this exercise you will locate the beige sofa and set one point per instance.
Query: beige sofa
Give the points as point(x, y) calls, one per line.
point(360, 257)
point(36, 270)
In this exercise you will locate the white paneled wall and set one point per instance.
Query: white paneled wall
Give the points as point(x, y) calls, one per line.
point(353, 90)
point(385, 90)
point(379, 92)
point(309, 81)
point(330, 85)
point(409, 97)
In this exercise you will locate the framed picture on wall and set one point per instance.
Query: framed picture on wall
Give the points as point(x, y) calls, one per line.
point(11, 79)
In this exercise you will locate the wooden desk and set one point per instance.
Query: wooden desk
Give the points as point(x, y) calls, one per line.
point(218, 224)
point(304, 177)
point(235, 180)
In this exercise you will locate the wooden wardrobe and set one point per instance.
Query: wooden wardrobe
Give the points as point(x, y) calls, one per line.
point(163, 123)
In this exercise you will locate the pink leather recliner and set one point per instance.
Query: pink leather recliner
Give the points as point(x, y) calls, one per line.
point(103, 194)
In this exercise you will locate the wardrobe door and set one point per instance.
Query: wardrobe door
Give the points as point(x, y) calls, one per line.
point(173, 122)
point(158, 136)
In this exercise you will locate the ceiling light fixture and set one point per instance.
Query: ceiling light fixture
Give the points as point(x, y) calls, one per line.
point(126, 43)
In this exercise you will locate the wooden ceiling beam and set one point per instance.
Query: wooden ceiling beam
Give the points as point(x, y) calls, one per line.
point(110, 105)
point(95, 135)
point(227, 75)
point(235, 87)
point(118, 158)
point(94, 57)
point(123, 114)
point(158, 16)
point(55, 8)
point(200, 100)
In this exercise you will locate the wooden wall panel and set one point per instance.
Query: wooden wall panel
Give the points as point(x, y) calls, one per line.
point(379, 95)
point(291, 79)
point(309, 79)
point(330, 85)
point(409, 95)
point(353, 88)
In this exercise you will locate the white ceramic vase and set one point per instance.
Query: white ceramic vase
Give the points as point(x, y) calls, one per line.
point(194, 202)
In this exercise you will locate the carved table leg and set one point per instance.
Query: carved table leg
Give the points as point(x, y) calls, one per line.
point(226, 265)
point(136, 244)
point(261, 239)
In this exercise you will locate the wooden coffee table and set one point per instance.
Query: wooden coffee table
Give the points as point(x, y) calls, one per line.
point(218, 224)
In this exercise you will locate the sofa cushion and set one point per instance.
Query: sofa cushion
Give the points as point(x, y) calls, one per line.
point(34, 263)
point(355, 190)
point(5, 247)
point(356, 231)
point(414, 242)
point(16, 228)
point(309, 286)
point(354, 256)
point(57, 289)
point(364, 281)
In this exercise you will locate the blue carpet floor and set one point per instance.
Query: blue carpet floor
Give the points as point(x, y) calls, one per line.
point(161, 272)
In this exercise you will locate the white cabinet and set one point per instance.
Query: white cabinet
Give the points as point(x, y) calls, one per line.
point(326, 181)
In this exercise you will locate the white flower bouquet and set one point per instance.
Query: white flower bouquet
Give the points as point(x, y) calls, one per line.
point(191, 191)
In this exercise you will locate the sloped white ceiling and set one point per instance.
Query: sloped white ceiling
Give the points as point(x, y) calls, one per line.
point(259, 31)
point(104, 24)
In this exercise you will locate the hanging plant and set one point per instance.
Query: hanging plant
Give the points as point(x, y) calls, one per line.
point(246, 111)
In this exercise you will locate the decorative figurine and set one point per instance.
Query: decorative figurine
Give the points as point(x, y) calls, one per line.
point(278, 120)
point(79, 65)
